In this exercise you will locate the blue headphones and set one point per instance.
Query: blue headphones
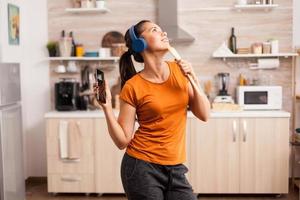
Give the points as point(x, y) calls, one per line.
point(138, 44)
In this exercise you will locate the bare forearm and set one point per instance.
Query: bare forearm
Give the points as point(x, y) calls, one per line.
point(115, 130)
point(200, 105)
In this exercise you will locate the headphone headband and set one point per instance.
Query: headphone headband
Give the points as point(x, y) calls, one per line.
point(132, 33)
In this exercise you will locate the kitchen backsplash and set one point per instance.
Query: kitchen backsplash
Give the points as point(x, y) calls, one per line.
point(209, 21)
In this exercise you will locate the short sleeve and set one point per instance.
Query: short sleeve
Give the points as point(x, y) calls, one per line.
point(128, 95)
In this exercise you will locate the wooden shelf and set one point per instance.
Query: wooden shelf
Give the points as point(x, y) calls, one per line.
point(87, 10)
point(286, 55)
point(265, 7)
point(115, 59)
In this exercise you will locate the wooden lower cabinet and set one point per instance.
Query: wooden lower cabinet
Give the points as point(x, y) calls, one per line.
point(224, 155)
point(107, 161)
point(264, 155)
point(240, 155)
point(215, 156)
point(67, 175)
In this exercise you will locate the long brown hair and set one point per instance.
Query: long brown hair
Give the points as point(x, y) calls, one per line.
point(126, 66)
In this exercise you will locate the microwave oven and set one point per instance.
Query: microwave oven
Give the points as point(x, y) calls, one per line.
point(259, 97)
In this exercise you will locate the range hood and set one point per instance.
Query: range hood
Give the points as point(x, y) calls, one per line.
point(168, 21)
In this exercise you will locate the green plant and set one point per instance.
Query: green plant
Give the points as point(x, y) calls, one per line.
point(52, 48)
point(51, 45)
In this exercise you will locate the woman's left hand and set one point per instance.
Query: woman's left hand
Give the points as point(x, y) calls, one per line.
point(186, 67)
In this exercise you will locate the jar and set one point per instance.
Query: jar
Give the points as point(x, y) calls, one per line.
point(79, 50)
point(65, 46)
point(87, 3)
point(266, 48)
point(242, 2)
point(76, 3)
point(257, 48)
point(274, 46)
point(117, 49)
point(84, 3)
point(100, 3)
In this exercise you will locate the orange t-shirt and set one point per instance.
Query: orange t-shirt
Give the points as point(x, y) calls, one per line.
point(161, 110)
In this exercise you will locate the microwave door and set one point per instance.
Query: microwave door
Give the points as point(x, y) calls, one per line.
point(256, 98)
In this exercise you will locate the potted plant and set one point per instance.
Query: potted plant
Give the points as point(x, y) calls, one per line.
point(52, 48)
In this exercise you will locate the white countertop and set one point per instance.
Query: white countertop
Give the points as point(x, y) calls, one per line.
point(100, 113)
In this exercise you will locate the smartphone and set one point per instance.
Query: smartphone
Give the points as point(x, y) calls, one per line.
point(101, 94)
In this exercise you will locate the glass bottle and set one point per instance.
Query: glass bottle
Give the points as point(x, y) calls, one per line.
point(232, 41)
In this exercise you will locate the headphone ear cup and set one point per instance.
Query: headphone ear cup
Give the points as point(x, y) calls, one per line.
point(139, 45)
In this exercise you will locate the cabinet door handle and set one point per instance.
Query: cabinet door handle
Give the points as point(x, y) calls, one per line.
point(234, 127)
point(70, 179)
point(244, 131)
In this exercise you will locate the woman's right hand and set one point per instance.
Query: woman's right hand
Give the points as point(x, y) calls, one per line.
point(108, 96)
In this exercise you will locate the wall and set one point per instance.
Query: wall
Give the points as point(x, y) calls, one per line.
point(35, 85)
point(296, 27)
point(208, 20)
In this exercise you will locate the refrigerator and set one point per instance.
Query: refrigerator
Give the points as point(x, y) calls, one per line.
point(12, 181)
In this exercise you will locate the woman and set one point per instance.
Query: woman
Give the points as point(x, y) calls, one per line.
point(158, 95)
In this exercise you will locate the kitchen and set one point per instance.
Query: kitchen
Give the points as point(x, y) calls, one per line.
point(207, 25)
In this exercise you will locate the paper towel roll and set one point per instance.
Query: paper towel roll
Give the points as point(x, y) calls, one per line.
point(270, 63)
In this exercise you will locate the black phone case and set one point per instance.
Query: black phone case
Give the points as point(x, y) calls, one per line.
point(101, 94)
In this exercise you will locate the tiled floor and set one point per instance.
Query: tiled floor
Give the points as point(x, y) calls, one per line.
point(37, 190)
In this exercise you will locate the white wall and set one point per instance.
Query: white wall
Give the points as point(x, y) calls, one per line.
point(296, 23)
point(34, 85)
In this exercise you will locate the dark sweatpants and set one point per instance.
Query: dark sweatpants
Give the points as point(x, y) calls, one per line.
point(147, 181)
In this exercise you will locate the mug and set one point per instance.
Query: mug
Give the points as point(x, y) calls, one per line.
point(72, 66)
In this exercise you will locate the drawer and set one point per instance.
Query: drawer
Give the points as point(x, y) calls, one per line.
point(75, 183)
point(84, 165)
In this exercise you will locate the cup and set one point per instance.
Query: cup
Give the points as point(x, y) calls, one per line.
point(79, 50)
point(104, 52)
point(266, 48)
point(60, 69)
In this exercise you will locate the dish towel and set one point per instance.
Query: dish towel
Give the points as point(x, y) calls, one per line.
point(63, 139)
point(74, 140)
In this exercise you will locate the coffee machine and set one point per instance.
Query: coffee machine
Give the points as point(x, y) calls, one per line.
point(223, 96)
point(66, 95)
